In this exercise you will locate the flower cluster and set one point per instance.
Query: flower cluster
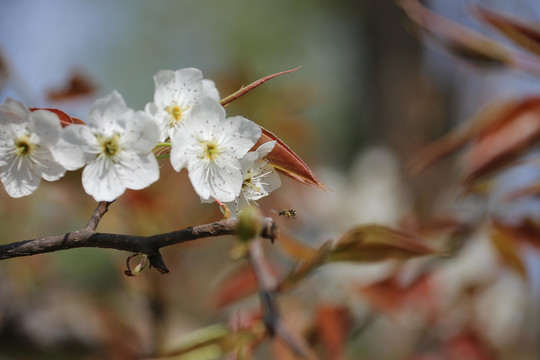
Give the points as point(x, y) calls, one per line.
point(116, 144)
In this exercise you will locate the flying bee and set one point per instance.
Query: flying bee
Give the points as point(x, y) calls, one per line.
point(288, 213)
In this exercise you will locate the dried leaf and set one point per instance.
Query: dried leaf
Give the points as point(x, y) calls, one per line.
point(287, 162)
point(506, 244)
point(457, 39)
point(525, 34)
point(65, 119)
point(371, 243)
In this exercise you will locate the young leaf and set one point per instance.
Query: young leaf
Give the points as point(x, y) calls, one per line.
point(487, 117)
point(332, 324)
point(523, 33)
point(286, 161)
point(369, 243)
point(511, 133)
point(506, 245)
point(499, 133)
point(295, 249)
point(457, 39)
point(238, 285)
point(65, 119)
point(391, 296)
point(245, 89)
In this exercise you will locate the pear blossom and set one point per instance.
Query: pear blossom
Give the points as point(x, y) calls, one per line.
point(116, 144)
point(210, 147)
point(259, 177)
point(175, 94)
point(25, 141)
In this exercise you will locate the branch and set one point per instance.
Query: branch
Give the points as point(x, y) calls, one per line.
point(267, 291)
point(150, 245)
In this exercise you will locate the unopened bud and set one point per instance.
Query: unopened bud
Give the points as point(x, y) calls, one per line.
point(249, 224)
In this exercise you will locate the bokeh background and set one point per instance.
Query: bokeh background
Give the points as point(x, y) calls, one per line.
point(369, 94)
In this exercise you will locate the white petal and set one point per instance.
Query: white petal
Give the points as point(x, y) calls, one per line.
point(265, 149)
point(240, 134)
point(137, 171)
point(46, 125)
point(209, 89)
point(183, 86)
point(223, 184)
point(178, 158)
point(182, 143)
point(46, 166)
point(141, 133)
point(106, 111)
point(205, 114)
point(102, 185)
point(19, 180)
point(72, 149)
point(14, 111)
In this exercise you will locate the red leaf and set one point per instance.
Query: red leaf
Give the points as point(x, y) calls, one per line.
point(521, 32)
point(65, 119)
point(239, 284)
point(508, 136)
point(457, 39)
point(253, 85)
point(287, 162)
point(78, 85)
point(332, 324)
point(390, 296)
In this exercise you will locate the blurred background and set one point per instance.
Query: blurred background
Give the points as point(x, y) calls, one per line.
point(368, 96)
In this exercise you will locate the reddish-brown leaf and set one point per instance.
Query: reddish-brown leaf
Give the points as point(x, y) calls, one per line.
point(511, 133)
point(467, 345)
point(390, 296)
point(498, 134)
point(489, 116)
point(332, 324)
point(527, 231)
point(457, 39)
point(369, 243)
point(286, 161)
point(65, 119)
point(237, 285)
point(507, 247)
point(525, 34)
point(245, 89)
point(79, 84)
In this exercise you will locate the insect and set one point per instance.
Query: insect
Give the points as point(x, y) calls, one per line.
point(288, 213)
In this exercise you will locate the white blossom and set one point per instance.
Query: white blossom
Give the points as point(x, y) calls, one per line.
point(210, 147)
point(176, 92)
point(116, 144)
point(259, 177)
point(25, 141)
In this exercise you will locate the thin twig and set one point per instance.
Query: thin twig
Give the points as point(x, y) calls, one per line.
point(267, 292)
point(100, 210)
